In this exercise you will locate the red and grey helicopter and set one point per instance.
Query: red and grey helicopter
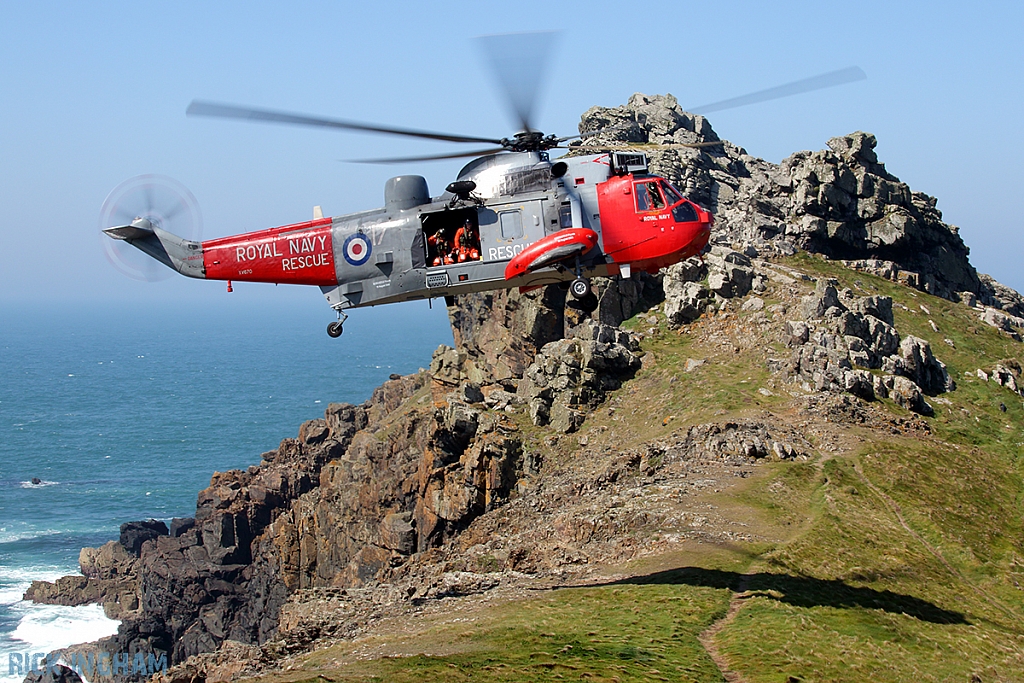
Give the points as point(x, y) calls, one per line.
point(513, 218)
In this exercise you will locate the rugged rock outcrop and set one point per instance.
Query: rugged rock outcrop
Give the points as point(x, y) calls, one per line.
point(842, 333)
point(837, 338)
point(573, 375)
point(403, 486)
point(183, 593)
point(695, 286)
point(354, 495)
point(195, 586)
point(109, 578)
point(134, 534)
point(686, 299)
point(498, 334)
point(840, 202)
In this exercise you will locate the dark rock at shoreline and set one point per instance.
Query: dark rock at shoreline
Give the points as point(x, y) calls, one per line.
point(135, 534)
point(180, 525)
point(57, 673)
point(109, 578)
point(118, 597)
point(194, 585)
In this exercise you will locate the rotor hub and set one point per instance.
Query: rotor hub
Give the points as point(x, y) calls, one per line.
point(530, 141)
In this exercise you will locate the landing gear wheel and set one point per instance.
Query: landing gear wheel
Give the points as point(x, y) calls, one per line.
point(579, 288)
point(334, 330)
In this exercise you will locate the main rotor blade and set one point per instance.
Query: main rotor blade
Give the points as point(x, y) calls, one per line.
point(432, 157)
point(518, 61)
point(228, 111)
point(826, 80)
point(650, 145)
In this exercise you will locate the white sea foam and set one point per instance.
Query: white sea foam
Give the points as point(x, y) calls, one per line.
point(5, 671)
point(7, 536)
point(41, 485)
point(15, 581)
point(12, 594)
point(49, 627)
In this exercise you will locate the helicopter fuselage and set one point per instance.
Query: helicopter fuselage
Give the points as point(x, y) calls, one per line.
point(506, 203)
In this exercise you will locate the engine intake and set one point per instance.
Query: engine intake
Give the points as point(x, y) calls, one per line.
point(405, 191)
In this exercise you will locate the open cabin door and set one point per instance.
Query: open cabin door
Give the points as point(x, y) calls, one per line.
point(448, 237)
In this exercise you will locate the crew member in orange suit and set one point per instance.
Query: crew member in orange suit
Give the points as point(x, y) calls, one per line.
point(467, 242)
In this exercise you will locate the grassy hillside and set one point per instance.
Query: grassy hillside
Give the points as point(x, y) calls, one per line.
point(894, 552)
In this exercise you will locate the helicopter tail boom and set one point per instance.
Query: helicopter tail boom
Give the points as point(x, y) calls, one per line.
point(302, 253)
point(299, 254)
point(184, 256)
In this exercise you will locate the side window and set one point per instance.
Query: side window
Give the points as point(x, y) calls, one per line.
point(648, 197)
point(671, 196)
point(565, 215)
point(684, 213)
point(511, 225)
point(654, 195)
point(642, 203)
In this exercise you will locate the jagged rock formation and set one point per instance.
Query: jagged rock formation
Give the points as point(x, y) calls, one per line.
point(840, 202)
point(109, 578)
point(498, 334)
point(354, 494)
point(837, 338)
point(401, 488)
point(134, 534)
point(192, 588)
point(571, 376)
point(842, 330)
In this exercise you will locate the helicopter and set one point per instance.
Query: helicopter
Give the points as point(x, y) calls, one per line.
point(513, 217)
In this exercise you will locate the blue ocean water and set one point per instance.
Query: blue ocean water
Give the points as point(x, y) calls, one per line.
point(123, 413)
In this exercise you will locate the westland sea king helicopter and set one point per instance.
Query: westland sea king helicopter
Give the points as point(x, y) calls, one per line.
point(512, 218)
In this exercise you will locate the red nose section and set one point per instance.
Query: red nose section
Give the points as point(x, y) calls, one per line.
point(549, 250)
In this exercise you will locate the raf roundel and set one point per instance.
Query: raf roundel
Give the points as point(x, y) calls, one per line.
point(357, 249)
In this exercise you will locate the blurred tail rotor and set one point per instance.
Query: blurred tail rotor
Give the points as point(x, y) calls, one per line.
point(165, 203)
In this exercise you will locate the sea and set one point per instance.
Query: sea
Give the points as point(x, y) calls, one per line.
point(122, 412)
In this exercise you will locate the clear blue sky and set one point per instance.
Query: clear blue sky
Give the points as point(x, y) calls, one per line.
point(94, 93)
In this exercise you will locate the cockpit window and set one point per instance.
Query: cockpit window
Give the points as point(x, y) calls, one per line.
point(648, 197)
point(671, 196)
point(684, 213)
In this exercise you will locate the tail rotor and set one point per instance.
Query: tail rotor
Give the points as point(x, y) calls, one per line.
point(163, 202)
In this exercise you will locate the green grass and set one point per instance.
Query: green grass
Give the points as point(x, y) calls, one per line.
point(620, 632)
point(663, 397)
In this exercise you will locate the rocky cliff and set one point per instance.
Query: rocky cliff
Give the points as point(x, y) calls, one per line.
point(528, 449)
point(840, 202)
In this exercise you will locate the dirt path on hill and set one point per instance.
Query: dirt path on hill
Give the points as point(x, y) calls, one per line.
point(707, 638)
